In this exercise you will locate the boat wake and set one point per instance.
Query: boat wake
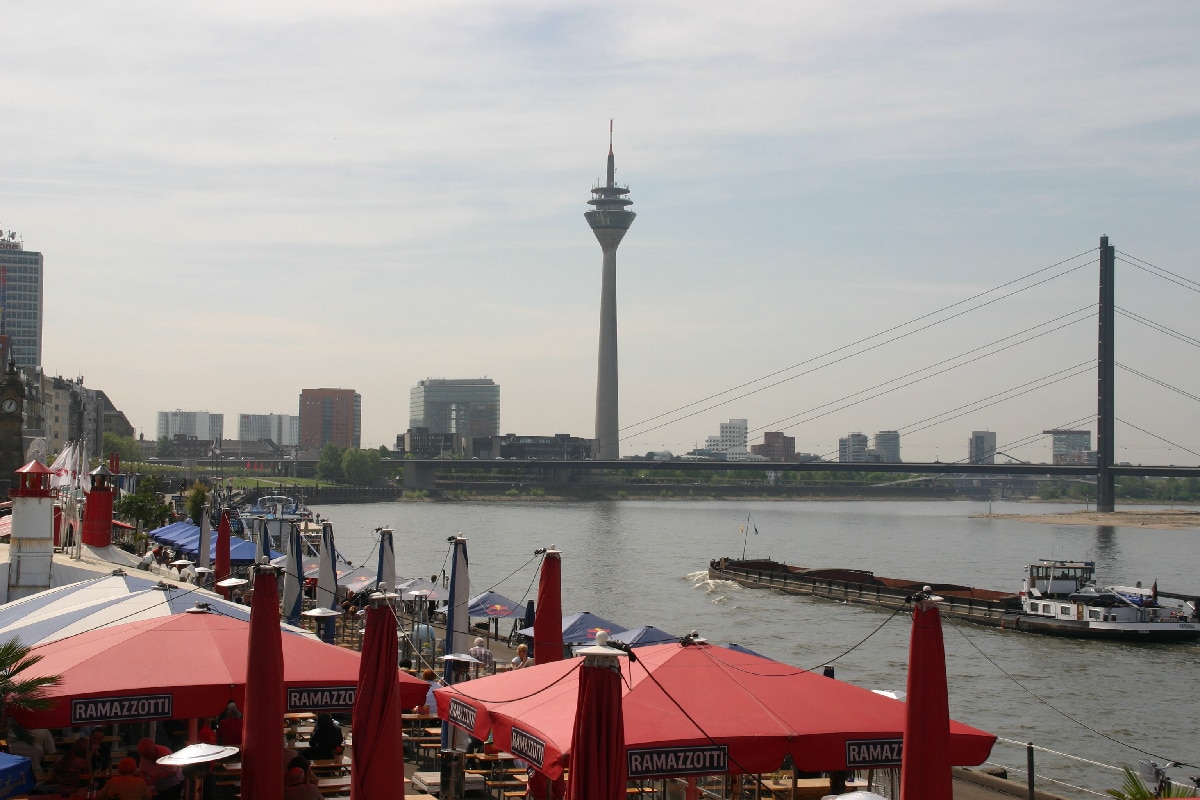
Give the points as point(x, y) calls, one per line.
point(720, 588)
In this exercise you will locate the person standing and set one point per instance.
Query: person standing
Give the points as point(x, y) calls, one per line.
point(481, 652)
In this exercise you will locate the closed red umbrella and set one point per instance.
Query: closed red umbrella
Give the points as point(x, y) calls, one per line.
point(547, 624)
point(378, 738)
point(598, 741)
point(262, 749)
point(221, 564)
point(925, 773)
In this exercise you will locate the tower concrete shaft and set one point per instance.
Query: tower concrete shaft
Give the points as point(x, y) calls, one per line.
point(609, 220)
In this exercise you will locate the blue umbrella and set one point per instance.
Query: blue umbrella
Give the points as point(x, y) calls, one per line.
point(16, 774)
point(582, 628)
point(737, 648)
point(640, 637)
point(491, 605)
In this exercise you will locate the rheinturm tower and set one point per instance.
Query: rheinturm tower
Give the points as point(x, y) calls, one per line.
point(609, 219)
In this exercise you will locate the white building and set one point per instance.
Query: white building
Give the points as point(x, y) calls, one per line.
point(733, 440)
point(193, 424)
point(282, 429)
point(853, 447)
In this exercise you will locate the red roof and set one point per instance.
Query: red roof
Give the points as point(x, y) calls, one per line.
point(36, 467)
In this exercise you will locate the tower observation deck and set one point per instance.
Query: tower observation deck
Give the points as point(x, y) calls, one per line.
point(609, 220)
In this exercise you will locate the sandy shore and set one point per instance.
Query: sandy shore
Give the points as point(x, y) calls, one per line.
point(1170, 519)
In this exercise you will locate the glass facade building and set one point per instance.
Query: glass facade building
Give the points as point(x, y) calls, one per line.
point(21, 302)
point(467, 407)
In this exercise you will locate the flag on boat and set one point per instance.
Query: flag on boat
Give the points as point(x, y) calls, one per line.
point(62, 467)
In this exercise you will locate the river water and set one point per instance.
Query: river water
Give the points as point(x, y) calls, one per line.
point(644, 563)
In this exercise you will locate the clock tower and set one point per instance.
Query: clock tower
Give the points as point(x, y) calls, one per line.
point(12, 418)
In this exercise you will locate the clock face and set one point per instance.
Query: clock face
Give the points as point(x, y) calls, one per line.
point(8, 406)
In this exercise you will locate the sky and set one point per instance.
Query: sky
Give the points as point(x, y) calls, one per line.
point(236, 201)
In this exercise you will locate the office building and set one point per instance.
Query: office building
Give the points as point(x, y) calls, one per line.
point(853, 448)
point(282, 429)
point(776, 447)
point(468, 407)
point(609, 220)
point(330, 416)
point(191, 425)
point(20, 302)
point(1072, 447)
point(982, 447)
point(887, 447)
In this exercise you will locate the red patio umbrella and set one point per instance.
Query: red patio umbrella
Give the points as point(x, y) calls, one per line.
point(547, 624)
point(262, 753)
point(378, 737)
point(184, 666)
point(221, 568)
point(926, 771)
point(756, 710)
point(598, 741)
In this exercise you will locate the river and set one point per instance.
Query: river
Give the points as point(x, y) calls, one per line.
point(643, 563)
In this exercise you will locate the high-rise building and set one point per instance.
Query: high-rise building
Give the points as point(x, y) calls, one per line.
point(776, 447)
point(330, 416)
point(20, 302)
point(982, 447)
point(731, 440)
point(282, 429)
point(192, 424)
point(609, 220)
point(853, 447)
point(1072, 447)
point(887, 447)
point(465, 407)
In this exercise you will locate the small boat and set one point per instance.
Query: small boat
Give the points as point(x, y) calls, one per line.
point(278, 506)
point(1062, 598)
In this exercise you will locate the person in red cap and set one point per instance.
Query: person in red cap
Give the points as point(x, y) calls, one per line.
point(125, 785)
point(165, 779)
point(297, 787)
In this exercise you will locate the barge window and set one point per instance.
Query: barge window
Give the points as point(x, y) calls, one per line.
point(1065, 610)
point(1093, 613)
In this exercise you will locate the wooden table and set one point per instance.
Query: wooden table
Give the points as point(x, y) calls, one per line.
point(805, 787)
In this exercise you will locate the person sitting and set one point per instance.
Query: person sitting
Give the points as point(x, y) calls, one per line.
point(99, 751)
point(297, 787)
point(165, 779)
point(125, 785)
point(430, 677)
point(229, 726)
point(326, 736)
point(70, 772)
point(522, 659)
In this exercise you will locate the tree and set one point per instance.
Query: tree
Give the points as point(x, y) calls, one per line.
point(1132, 788)
point(145, 505)
point(165, 448)
point(329, 467)
point(16, 690)
point(197, 501)
point(126, 447)
point(361, 467)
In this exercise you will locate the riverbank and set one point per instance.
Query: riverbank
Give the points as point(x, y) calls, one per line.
point(1170, 519)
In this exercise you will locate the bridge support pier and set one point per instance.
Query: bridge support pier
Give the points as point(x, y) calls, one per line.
point(419, 476)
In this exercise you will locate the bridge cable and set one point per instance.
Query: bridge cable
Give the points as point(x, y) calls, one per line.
point(1163, 384)
point(1154, 269)
point(1156, 436)
point(1158, 326)
point(638, 425)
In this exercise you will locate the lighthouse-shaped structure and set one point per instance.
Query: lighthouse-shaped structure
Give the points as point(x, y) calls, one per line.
point(609, 220)
point(98, 511)
point(32, 544)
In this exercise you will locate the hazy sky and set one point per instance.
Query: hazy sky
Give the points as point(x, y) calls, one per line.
point(238, 200)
